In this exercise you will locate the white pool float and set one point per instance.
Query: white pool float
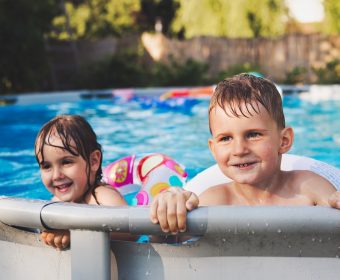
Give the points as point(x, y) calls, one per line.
point(213, 176)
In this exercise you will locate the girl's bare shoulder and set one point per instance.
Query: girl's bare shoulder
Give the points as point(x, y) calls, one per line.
point(109, 196)
point(216, 195)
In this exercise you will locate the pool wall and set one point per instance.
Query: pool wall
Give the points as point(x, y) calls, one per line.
point(310, 92)
point(236, 243)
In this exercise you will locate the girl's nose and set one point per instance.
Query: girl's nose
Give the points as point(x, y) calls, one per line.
point(57, 174)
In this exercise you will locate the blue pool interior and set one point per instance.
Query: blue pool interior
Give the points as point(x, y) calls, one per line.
point(178, 128)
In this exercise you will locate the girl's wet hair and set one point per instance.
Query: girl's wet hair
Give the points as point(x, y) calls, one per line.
point(244, 89)
point(77, 137)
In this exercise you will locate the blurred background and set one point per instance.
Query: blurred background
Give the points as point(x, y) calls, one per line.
point(49, 45)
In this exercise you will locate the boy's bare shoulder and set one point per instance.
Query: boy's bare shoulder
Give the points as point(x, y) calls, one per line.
point(216, 195)
point(312, 185)
point(308, 179)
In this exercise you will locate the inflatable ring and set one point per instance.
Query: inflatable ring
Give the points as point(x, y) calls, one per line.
point(139, 179)
point(213, 176)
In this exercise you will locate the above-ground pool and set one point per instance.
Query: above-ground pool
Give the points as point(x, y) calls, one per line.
point(178, 128)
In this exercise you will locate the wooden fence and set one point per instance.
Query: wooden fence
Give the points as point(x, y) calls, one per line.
point(275, 57)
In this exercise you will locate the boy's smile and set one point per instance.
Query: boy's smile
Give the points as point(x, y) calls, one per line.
point(246, 148)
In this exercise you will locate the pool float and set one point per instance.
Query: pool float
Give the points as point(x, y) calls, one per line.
point(213, 176)
point(139, 179)
point(189, 93)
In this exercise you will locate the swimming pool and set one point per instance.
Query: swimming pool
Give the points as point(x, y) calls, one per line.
point(178, 128)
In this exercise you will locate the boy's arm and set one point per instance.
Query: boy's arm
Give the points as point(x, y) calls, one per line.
point(334, 200)
point(169, 209)
point(319, 189)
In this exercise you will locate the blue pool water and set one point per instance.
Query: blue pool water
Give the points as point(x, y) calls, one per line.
point(145, 126)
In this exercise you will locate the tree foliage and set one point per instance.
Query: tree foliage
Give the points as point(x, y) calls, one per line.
point(95, 18)
point(332, 16)
point(23, 64)
point(242, 18)
point(157, 10)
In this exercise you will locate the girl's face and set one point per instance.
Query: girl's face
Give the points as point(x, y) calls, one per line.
point(63, 174)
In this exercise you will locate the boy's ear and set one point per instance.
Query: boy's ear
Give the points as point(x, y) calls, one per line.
point(287, 138)
point(212, 147)
point(95, 160)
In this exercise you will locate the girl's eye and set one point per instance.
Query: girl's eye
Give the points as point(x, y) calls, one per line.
point(67, 161)
point(253, 135)
point(45, 166)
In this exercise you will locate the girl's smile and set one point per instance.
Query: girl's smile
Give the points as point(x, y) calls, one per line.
point(63, 173)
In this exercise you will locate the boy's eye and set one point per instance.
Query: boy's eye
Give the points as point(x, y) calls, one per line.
point(225, 138)
point(253, 135)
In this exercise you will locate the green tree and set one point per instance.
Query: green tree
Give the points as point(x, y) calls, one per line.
point(23, 65)
point(95, 18)
point(242, 18)
point(332, 16)
point(156, 10)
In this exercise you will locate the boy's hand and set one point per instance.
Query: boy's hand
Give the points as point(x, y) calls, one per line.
point(334, 200)
point(169, 209)
point(59, 239)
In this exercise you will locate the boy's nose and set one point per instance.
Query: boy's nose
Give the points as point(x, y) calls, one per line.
point(239, 147)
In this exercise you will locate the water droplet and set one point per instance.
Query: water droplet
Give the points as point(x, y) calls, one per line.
point(279, 231)
point(313, 239)
point(224, 240)
point(267, 225)
point(320, 240)
point(103, 225)
point(148, 272)
point(289, 246)
point(117, 229)
point(253, 232)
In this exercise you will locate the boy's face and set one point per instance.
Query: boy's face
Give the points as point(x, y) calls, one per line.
point(248, 149)
point(63, 174)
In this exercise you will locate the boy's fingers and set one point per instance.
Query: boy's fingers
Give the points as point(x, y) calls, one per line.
point(192, 200)
point(171, 214)
point(162, 214)
point(169, 209)
point(153, 210)
point(181, 213)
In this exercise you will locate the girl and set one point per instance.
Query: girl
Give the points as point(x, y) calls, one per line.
point(70, 159)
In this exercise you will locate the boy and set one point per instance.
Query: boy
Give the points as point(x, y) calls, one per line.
point(249, 136)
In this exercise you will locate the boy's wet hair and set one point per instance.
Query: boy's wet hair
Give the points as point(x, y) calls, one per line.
point(71, 128)
point(244, 89)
